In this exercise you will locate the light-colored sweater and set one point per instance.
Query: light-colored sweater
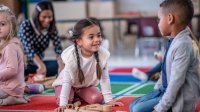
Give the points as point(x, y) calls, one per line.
point(12, 69)
point(182, 76)
point(69, 78)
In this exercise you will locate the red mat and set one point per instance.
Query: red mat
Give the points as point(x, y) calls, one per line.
point(39, 102)
point(126, 70)
point(47, 102)
point(126, 100)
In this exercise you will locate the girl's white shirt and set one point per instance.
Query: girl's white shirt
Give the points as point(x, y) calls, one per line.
point(69, 75)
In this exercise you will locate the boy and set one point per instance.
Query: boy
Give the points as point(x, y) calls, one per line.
point(177, 89)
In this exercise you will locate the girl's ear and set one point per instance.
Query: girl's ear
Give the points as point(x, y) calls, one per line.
point(170, 18)
point(79, 42)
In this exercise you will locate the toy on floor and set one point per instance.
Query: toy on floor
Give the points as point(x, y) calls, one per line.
point(36, 78)
point(34, 88)
point(139, 74)
point(41, 79)
point(88, 108)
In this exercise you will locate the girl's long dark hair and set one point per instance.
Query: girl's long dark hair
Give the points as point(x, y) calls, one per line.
point(76, 33)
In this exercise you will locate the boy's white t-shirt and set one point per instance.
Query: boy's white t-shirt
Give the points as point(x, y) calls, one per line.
point(68, 77)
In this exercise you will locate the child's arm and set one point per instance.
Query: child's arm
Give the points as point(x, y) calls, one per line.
point(105, 86)
point(106, 89)
point(179, 67)
point(66, 87)
point(10, 55)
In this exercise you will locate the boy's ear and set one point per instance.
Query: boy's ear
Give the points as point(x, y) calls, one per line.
point(170, 18)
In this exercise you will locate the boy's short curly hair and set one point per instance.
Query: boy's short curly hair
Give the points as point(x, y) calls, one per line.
point(183, 8)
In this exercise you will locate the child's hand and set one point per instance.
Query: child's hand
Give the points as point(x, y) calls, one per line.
point(60, 109)
point(114, 103)
point(158, 56)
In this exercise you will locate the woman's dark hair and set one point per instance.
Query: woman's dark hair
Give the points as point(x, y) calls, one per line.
point(76, 33)
point(41, 6)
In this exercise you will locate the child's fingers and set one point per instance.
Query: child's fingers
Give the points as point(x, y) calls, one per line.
point(60, 109)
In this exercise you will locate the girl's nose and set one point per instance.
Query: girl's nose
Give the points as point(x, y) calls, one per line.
point(97, 39)
point(47, 20)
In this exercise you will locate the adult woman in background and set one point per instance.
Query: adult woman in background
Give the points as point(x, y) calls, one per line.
point(35, 35)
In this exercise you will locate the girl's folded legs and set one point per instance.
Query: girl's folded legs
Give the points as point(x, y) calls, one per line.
point(11, 100)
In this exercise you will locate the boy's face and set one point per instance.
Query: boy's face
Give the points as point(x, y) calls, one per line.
point(163, 22)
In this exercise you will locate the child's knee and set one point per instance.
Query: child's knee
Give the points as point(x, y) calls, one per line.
point(135, 108)
point(96, 98)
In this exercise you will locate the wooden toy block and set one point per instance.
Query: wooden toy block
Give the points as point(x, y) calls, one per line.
point(87, 111)
point(77, 104)
point(95, 107)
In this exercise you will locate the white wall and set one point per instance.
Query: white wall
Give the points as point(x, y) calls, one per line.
point(138, 5)
point(66, 10)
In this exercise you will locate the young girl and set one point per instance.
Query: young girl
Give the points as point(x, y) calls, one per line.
point(11, 61)
point(85, 66)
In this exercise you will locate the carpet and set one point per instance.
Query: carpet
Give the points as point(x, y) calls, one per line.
point(123, 85)
point(126, 100)
point(38, 102)
point(47, 102)
point(126, 70)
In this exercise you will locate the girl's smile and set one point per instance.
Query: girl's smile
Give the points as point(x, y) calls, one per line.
point(90, 41)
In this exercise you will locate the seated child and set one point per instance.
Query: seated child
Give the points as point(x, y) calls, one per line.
point(177, 90)
point(12, 60)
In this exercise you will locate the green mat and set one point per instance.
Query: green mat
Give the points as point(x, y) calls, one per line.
point(144, 89)
point(123, 89)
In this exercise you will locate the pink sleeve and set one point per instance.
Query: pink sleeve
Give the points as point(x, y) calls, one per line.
point(10, 61)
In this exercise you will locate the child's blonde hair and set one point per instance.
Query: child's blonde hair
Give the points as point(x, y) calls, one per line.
point(13, 30)
point(13, 22)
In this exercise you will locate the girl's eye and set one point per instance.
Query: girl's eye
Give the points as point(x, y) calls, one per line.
point(91, 37)
point(2, 24)
point(99, 35)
